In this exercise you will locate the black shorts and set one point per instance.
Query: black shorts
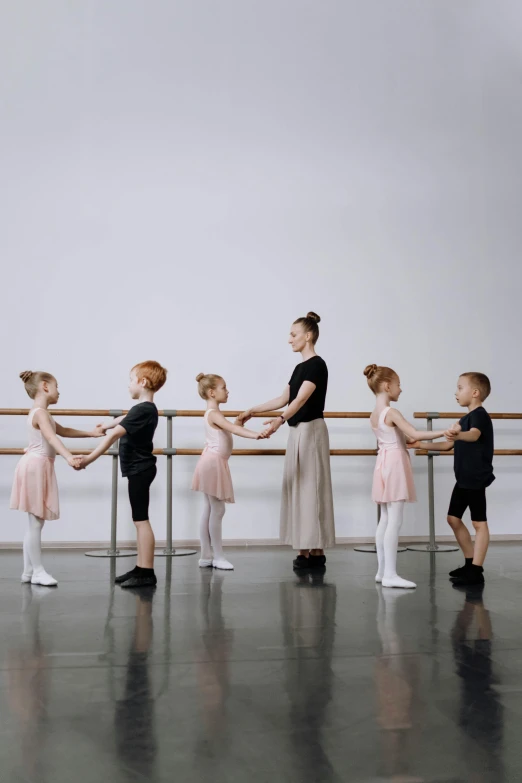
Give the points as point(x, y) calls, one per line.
point(139, 493)
point(474, 498)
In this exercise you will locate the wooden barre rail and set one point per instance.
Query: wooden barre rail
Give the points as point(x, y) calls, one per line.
point(175, 413)
point(435, 415)
point(497, 453)
point(236, 452)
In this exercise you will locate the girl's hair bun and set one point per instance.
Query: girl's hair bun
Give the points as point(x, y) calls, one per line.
point(314, 317)
point(200, 376)
point(26, 375)
point(370, 370)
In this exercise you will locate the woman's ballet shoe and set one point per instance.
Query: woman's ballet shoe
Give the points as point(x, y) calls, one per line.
point(397, 581)
point(223, 565)
point(44, 579)
point(26, 577)
point(204, 563)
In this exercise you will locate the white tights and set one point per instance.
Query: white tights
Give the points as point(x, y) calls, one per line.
point(210, 528)
point(33, 545)
point(386, 542)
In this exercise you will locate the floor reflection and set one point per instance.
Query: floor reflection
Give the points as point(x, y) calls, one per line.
point(308, 616)
point(29, 684)
point(481, 715)
point(397, 677)
point(134, 717)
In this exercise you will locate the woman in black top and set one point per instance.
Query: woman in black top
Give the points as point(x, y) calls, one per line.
point(307, 517)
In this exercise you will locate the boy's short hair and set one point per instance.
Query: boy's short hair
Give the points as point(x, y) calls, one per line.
point(480, 381)
point(153, 372)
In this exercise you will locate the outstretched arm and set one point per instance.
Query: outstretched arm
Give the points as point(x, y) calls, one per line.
point(446, 445)
point(272, 405)
point(395, 417)
point(106, 443)
point(306, 390)
point(43, 419)
point(218, 420)
point(68, 432)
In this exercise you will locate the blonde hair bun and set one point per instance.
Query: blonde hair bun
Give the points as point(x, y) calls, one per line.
point(25, 375)
point(370, 370)
point(314, 317)
point(200, 376)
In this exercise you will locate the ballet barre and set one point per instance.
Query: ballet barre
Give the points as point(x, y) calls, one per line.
point(169, 452)
point(432, 546)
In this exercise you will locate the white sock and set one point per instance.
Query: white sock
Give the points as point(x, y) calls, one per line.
point(204, 535)
point(217, 512)
point(390, 539)
point(33, 548)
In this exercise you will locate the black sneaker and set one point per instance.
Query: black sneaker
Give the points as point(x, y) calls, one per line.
point(302, 562)
point(459, 571)
point(141, 581)
point(124, 577)
point(474, 575)
point(317, 561)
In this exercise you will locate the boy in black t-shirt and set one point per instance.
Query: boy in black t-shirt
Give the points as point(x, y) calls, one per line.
point(472, 440)
point(138, 463)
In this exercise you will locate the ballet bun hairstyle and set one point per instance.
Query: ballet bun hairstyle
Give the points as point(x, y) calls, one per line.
point(206, 383)
point(377, 376)
point(32, 381)
point(310, 323)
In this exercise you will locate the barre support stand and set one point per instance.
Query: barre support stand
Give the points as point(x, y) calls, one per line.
point(432, 546)
point(169, 551)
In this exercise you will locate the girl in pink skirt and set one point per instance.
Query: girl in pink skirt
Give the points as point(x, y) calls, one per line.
point(393, 477)
point(212, 474)
point(35, 490)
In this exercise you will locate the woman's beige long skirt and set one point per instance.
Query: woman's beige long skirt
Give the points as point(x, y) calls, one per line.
point(307, 515)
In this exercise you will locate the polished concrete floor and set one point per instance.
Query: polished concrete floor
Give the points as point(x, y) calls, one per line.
point(259, 675)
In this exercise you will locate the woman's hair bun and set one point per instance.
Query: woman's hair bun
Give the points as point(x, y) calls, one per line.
point(370, 370)
point(25, 375)
point(314, 317)
point(200, 376)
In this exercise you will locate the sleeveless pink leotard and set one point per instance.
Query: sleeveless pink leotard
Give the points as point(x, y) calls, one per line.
point(393, 475)
point(212, 474)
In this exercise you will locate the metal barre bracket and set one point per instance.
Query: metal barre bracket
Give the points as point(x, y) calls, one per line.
point(432, 415)
point(115, 413)
point(169, 452)
point(169, 413)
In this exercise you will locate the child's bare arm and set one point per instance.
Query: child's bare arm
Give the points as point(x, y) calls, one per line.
point(218, 420)
point(43, 419)
point(117, 433)
point(395, 417)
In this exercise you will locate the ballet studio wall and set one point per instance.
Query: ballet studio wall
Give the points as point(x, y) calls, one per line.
point(182, 180)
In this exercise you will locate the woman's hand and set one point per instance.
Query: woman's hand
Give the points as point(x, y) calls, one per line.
point(273, 426)
point(243, 418)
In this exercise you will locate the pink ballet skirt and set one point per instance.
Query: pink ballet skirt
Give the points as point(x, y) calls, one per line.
point(212, 476)
point(393, 475)
point(35, 489)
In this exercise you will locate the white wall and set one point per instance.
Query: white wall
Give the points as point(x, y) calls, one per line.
point(180, 180)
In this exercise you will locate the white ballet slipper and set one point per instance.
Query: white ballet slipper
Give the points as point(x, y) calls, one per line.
point(26, 577)
point(204, 563)
point(43, 578)
point(397, 581)
point(223, 565)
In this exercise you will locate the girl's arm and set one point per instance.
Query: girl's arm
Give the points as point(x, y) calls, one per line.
point(67, 432)
point(42, 418)
point(217, 418)
point(446, 445)
point(117, 433)
point(273, 405)
point(395, 417)
point(468, 437)
point(306, 390)
point(111, 424)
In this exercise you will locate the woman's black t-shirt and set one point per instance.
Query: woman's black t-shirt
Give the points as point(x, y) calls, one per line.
point(136, 445)
point(315, 371)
